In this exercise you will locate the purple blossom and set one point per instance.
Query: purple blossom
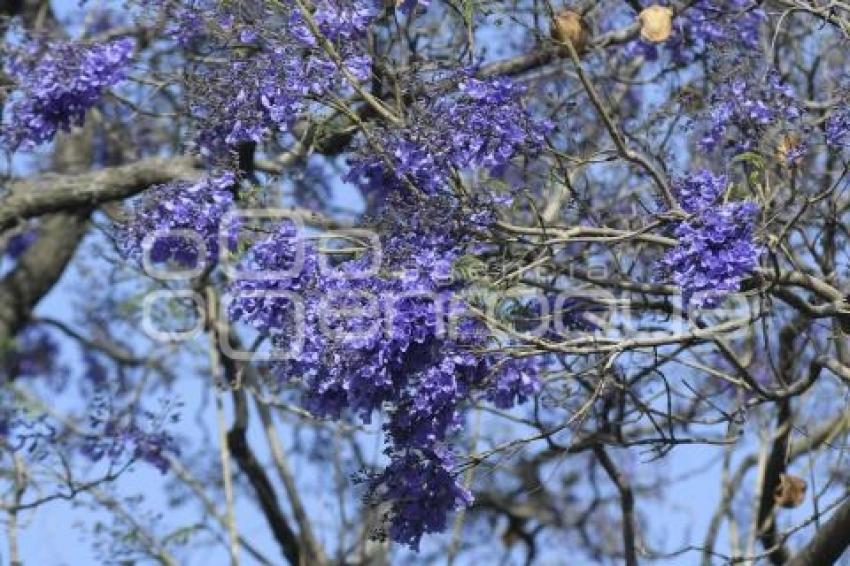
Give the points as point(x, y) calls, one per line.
point(741, 112)
point(344, 20)
point(484, 128)
point(57, 85)
point(716, 248)
point(838, 127)
point(246, 98)
point(181, 206)
point(515, 381)
point(422, 491)
point(700, 190)
point(408, 6)
point(708, 22)
point(408, 366)
point(640, 48)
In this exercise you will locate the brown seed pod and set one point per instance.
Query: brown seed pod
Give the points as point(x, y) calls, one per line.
point(656, 23)
point(570, 26)
point(790, 492)
point(787, 147)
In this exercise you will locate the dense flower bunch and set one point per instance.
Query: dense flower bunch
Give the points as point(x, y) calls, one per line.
point(422, 490)
point(483, 128)
point(391, 350)
point(57, 84)
point(716, 248)
point(741, 112)
point(699, 191)
point(195, 208)
point(400, 344)
point(278, 64)
point(515, 382)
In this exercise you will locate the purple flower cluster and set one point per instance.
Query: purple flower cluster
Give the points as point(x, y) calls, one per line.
point(484, 128)
point(403, 343)
point(741, 112)
point(196, 208)
point(838, 127)
point(700, 190)
point(242, 100)
point(279, 69)
point(57, 84)
point(413, 479)
point(344, 21)
point(515, 382)
point(716, 248)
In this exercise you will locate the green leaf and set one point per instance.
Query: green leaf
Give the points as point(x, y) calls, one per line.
point(469, 268)
point(750, 157)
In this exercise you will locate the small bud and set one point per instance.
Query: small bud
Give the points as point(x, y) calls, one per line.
point(790, 492)
point(570, 26)
point(656, 23)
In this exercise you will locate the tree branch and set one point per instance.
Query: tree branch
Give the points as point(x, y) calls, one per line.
point(776, 464)
point(627, 503)
point(237, 441)
point(830, 542)
point(28, 198)
point(38, 269)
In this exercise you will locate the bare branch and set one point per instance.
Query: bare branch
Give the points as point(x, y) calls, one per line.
point(28, 198)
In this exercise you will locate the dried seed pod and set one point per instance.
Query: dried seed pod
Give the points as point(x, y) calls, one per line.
point(570, 26)
point(790, 492)
point(656, 23)
point(789, 150)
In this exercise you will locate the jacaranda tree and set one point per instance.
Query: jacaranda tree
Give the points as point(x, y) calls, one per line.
point(363, 282)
